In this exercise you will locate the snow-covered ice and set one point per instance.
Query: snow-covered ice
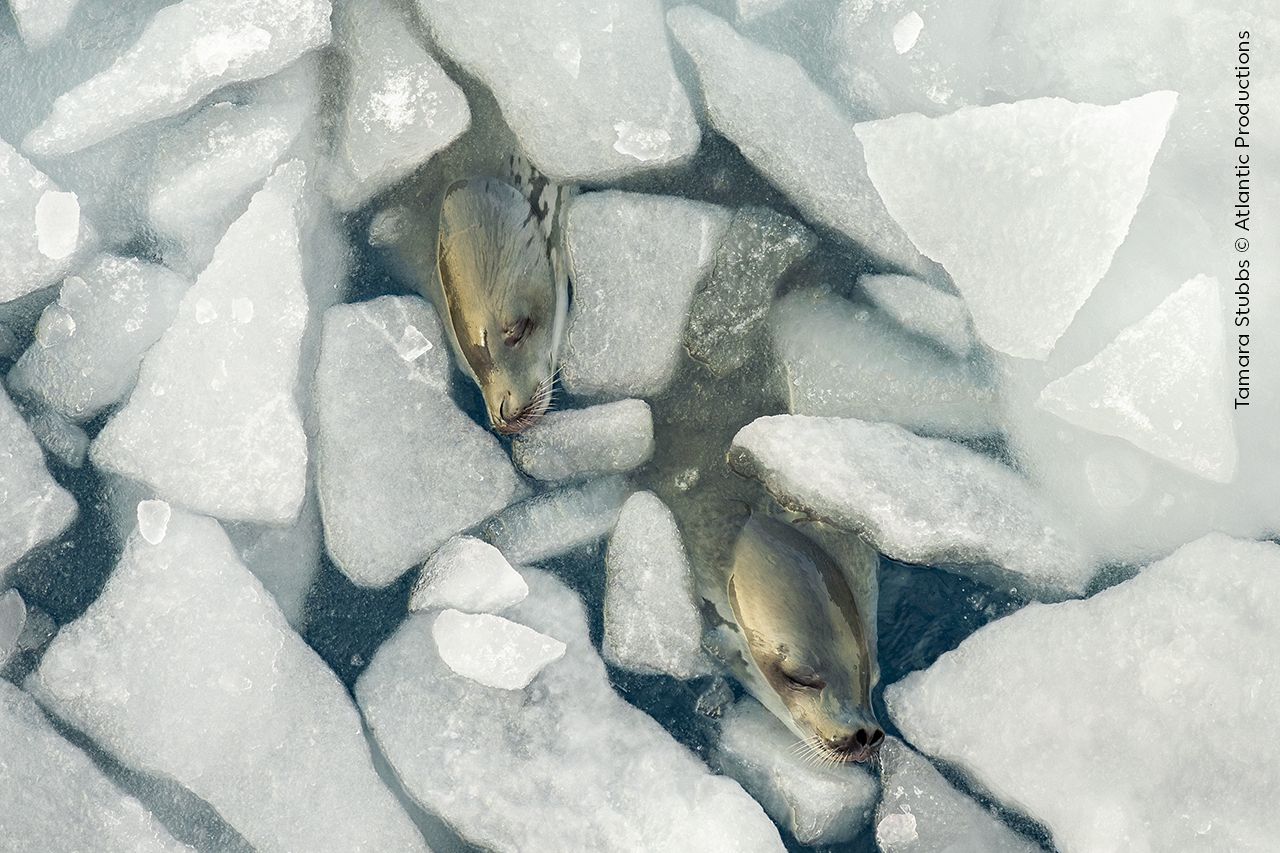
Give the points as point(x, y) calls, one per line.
point(589, 90)
point(491, 650)
point(818, 805)
point(213, 424)
point(187, 51)
point(651, 618)
point(44, 232)
point(55, 798)
point(792, 131)
point(41, 21)
point(186, 668)
point(90, 342)
point(920, 812)
point(572, 764)
point(844, 359)
point(400, 468)
point(470, 575)
point(1160, 385)
point(606, 439)
point(918, 500)
point(732, 301)
point(1092, 716)
point(400, 107)
point(33, 509)
point(208, 166)
point(923, 309)
point(557, 522)
point(1024, 204)
point(636, 261)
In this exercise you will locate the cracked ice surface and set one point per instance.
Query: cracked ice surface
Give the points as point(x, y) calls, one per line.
point(185, 667)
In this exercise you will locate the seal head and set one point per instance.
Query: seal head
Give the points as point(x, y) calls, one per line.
point(811, 660)
point(504, 305)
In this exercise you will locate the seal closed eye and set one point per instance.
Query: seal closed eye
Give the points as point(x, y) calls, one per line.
point(505, 295)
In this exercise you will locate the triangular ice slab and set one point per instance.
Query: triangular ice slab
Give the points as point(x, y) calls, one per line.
point(1023, 203)
point(1159, 385)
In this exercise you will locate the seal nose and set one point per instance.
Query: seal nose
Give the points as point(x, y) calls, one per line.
point(859, 740)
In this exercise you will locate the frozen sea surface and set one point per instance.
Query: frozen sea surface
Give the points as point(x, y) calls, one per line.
point(952, 277)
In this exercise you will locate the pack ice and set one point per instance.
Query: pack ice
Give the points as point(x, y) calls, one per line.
point(34, 508)
point(918, 500)
point(588, 89)
point(558, 521)
point(213, 423)
point(651, 618)
point(636, 261)
point(572, 764)
point(189, 50)
point(1131, 673)
point(55, 798)
point(468, 575)
point(843, 359)
point(818, 805)
point(920, 811)
point(400, 469)
point(90, 342)
point(1036, 167)
point(793, 132)
point(44, 232)
point(400, 107)
point(186, 668)
point(607, 439)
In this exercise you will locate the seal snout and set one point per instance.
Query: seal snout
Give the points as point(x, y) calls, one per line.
point(858, 744)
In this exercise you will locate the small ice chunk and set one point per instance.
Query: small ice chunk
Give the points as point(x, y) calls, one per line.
point(907, 31)
point(607, 439)
point(793, 132)
point(469, 575)
point(844, 359)
point(589, 90)
point(636, 261)
point(400, 469)
point(412, 343)
point(60, 438)
point(917, 500)
point(213, 423)
point(400, 107)
point(818, 805)
point(1070, 177)
point(186, 668)
point(493, 651)
point(13, 618)
point(923, 310)
point(153, 520)
point(57, 224)
point(208, 166)
point(732, 301)
point(187, 51)
point(41, 21)
point(920, 812)
point(555, 523)
point(573, 765)
point(41, 242)
point(1159, 385)
point(118, 307)
point(56, 798)
point(750, 11)
point(33, 508)
point(1134, 673)
point(651, 618)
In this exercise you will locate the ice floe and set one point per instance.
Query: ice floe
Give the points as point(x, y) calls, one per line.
point(186, 668)
point(572, 764)
point(918, 500)
point(213, 423)
point(606, 439)
point(491, 650)
point(557, 522)
point(470, 575)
